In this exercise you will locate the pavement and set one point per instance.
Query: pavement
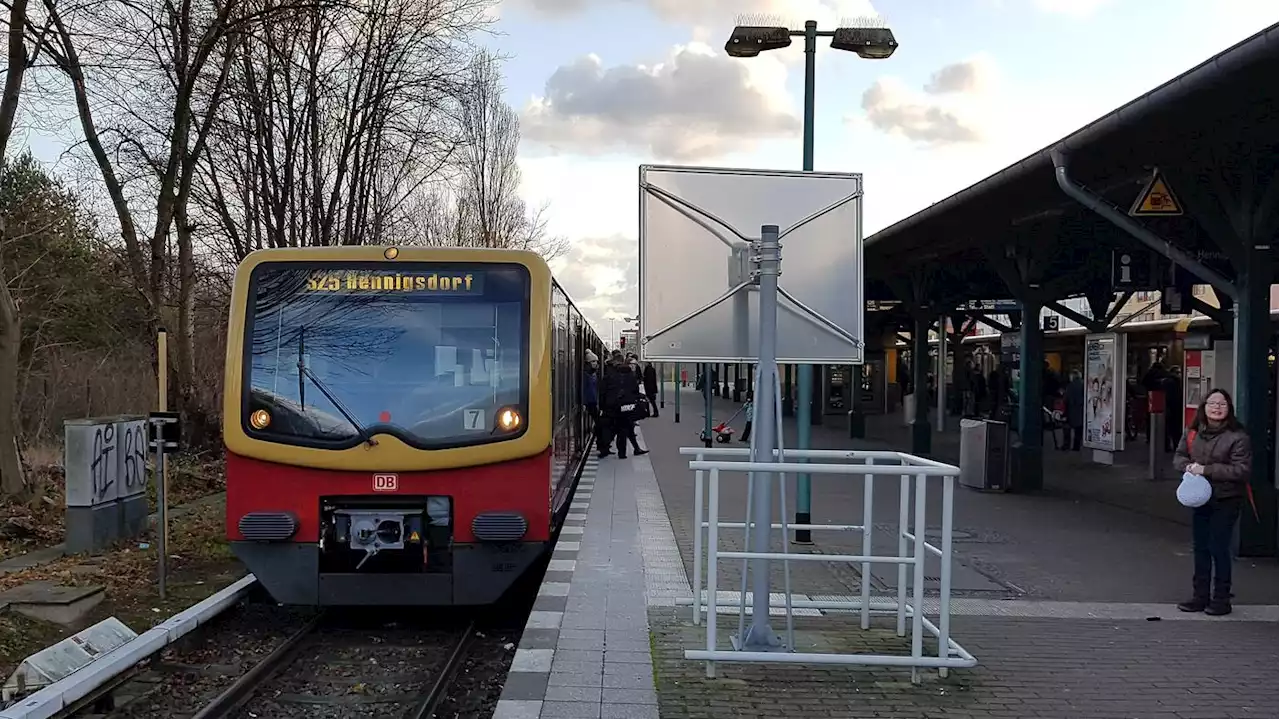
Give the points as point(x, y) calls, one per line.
point(585, 649)
point(1095, 534)
point(1064, 597)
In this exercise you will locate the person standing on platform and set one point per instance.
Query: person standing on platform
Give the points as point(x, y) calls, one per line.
point(651, 387)
point(747, 409)
point(591, 400)
point(608, 420)
point(1217, 448)
point(621, 390)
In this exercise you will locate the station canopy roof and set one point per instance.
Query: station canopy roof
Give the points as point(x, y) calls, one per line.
point(1216, 123)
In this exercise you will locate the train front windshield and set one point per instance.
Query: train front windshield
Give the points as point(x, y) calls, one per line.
point(432, 354)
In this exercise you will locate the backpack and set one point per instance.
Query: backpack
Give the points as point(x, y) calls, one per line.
point(1248, 487)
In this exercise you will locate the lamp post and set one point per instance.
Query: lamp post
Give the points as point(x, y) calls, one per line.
point(869, 40)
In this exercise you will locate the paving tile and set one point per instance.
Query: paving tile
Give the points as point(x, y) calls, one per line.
point(575, 679)
point(506, 709)
point(539, 639)
point(570, 710)
point(532, 660)
point(573, 694)
point(571, 667)
point(627, 681)
point(630, 696)
point(582, 644)
point(629, 711)
point(580, 655)
point(525, 686)
point(617, 656)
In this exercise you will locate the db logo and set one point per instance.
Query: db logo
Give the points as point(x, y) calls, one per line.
point(385, 483)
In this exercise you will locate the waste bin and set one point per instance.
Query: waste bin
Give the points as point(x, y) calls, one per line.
point(984, 455)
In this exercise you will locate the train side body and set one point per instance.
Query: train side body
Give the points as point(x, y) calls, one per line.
point(403, 427)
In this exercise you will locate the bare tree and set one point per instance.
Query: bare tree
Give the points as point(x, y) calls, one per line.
point(487, 208)
point(12, 480)
point(148, 78)
point(335, 120)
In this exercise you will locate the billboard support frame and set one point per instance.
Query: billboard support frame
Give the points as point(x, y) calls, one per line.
point(841, 249)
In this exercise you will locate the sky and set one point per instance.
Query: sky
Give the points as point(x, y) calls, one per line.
point(604, 86)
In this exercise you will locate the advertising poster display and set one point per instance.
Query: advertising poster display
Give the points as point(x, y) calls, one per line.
point(1104, 392)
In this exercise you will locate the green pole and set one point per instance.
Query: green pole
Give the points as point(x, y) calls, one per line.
point(677, 386)
point(662, 387)
point(804, 390)
point(706, 403)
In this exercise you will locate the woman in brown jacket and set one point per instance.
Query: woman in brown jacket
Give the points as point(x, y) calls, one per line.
point(1216, 447)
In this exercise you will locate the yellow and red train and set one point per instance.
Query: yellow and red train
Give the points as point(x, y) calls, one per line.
point(403, 426)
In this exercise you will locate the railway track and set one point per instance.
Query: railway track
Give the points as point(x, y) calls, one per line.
point(333, 669)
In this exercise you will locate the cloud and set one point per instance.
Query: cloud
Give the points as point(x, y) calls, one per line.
point(949, 110)
point(713, 12)
point(789, 12)
point(1074, 8)
point(602, 276)
point(696, 104)
point(970, 76)
point(553, 8)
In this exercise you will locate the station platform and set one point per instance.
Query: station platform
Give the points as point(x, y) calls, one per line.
point(1066, 601)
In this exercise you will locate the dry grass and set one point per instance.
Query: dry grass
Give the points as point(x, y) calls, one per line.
point(39, 522)
point(200, 563)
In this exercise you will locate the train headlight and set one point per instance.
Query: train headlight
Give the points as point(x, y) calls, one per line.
point(509, 419)
point(260, 419)
point(391, 253)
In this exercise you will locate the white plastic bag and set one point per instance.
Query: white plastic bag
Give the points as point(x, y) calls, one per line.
point(1194, 491)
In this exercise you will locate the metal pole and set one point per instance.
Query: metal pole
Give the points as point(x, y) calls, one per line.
point(804, 398)
point(760, 636)
point(662, 386)
point(162, 543)
point(706, 403)
point(942, 374)
point(162, 467)
point(677, 392)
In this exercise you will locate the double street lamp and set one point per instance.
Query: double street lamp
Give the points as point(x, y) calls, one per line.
point(869, 40)
point(869, 43)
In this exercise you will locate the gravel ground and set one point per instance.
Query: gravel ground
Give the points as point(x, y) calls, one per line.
point(188, 674)
point(353, 672)
point(477, 685)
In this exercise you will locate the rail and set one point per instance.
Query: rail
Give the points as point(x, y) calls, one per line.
point(64, 693)
point(708, 464)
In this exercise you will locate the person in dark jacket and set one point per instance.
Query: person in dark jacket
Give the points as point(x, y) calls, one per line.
point(1217, 448)
point(621, 389)
point(591, 400)
point(651, 387)
point(1075, 412)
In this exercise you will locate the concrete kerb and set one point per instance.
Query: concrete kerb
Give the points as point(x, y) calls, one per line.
point(48, 555)
point(525, 687)
point(57, 696)
point(586, 646)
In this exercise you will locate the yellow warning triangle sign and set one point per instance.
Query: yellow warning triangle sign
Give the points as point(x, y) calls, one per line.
point(1156, 199)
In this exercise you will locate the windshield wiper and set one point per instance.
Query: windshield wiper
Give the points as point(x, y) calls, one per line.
point(304, 371)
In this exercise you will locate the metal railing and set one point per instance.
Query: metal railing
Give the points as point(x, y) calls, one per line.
point(709, 463)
